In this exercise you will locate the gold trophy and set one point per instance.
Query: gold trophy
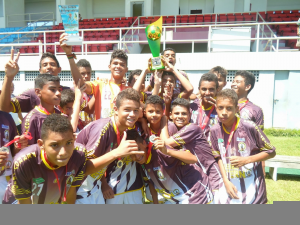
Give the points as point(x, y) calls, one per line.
point(153, 34)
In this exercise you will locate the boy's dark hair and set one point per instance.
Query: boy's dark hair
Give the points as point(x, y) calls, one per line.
point(49, 55)
point(67, 96)
point(168, 49)
point(180, 102)
point(134, 135)
point(120, 54)
point(154, 99)
point(209, 77)
point(129, 94)
point(228, 94)
point(42, 79)
point(248, 77)
point(83, 63)
point(132, 73)
point(165, 73)
point(55, 123)
point(219, 70)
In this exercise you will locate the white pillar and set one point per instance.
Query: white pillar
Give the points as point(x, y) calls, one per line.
point(246, 5)
point(169, 7)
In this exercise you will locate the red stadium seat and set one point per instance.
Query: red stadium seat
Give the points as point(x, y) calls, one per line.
point(76, 48)
point(239, 18)
point(231, 18)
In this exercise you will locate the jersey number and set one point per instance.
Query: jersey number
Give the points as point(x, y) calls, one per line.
point(40, 189)
point(107, 95)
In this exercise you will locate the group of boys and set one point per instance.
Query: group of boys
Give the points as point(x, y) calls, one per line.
point(144, 144)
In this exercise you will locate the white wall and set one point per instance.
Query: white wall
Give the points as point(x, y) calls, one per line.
point(15, 7)
point(187, 5)
point(82, 7)
point(169, 7)
point(239, 6)
point(293, 108)
point(111, 8)
point(224, 6)
point(40, 6)
point(209, 7)
point(283, 4)
point(259, 5)
point(156, 7)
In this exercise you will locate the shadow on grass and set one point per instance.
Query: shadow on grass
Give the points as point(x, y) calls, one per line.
point(286, 177)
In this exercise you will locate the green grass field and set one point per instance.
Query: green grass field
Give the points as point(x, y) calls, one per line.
point(287, 186)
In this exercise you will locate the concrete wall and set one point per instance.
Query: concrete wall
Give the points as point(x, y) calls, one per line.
point(111, 8)
point(293, 107)
point(283, 5)
point(224, 6)
point(187, 5)
point(15, 7)
point(259, 5)
point(156, 7)
point(40, 6)
point(169, 7)
point(239, 6)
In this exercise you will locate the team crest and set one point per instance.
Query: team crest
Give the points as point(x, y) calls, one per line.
point(242, 147)
point(8, 165)
point(6, 136)
point(245, 114)
point(160, 175)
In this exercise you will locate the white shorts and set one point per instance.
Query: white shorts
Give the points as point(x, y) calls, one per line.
point(94, 197)
point(161, 199)
point(3, 185)
point(220, 195)
point(132, 197)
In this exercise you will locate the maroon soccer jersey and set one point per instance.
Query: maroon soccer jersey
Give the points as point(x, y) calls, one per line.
point(195, 116)
point(247, 140)
point(32, 123)
point(192, 138)
point(8, 131)
point(26, 101)
point(34, 178)
point(176, 181)
point(100, 137)
point(252, 112)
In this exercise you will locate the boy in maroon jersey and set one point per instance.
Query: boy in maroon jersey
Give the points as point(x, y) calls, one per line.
point(48, 89)
point(239, 146)
point(50, 171)
point(194, 187)
point(102, 136)
point(203, 109)
point(8, 132)
point(243, 84)
point(70, 106)
point(28, 99)
point(189, 136)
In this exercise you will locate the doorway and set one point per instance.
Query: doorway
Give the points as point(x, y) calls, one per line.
point(137, 9)
point(280, 101)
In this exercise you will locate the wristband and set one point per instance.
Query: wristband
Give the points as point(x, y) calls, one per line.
point(71, 56)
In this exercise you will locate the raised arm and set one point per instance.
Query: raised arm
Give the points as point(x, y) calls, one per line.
point(185, 82)
point(137, 85)
point(165, 133)
point(157, 82)
point(11, 70)
point(76, 106)
point(74, 69)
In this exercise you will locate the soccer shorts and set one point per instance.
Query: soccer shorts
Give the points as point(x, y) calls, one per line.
point(94, 196)
point(148, 196)
point(131, 197)
point(3, 185)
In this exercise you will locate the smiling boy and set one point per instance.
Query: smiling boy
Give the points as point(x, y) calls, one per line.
point(103, 136)
point(203, 110)
point(239, 146)
point(50, 171)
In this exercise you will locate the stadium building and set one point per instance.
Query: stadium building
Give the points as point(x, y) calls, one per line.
point(255, 35)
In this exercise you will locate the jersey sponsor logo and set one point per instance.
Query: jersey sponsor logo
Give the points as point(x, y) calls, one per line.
point(8, 164)
point(5, 127)
point(156, 168)
point(240, 139)
point(220, 140)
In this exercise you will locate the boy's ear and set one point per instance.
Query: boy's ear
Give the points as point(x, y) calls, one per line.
point(109, 66)
point(171, 117)
point(247, 88)
point(38, 92)
point(40, 143)
point(116, 110)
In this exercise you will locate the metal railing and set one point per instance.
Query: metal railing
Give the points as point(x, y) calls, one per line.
point(29, 18)
point(122, 41)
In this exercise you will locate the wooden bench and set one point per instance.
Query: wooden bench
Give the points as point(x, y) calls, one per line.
point(282, 161)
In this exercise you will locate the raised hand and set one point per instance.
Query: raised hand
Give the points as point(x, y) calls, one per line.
point(160, 145)
point(67, 48)
point(168, 66)
point(79, 90)
point(127, 147)
point(12, 67)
